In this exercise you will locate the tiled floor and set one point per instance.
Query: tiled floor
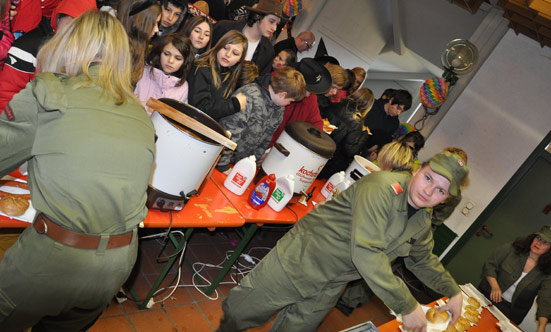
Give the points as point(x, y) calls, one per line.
point(189, 310)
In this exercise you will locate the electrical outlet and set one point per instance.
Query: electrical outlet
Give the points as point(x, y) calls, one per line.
point(469, 205)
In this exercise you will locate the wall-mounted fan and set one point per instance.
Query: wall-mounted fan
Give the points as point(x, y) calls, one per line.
point(459, 57)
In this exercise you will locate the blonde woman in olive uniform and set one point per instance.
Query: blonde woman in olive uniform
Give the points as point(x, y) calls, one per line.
point(89, 146)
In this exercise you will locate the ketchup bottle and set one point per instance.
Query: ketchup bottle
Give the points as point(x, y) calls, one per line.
point(262, 192)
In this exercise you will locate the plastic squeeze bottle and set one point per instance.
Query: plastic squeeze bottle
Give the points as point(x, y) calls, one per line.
point(283, 192)
point(332, 183)
point(341, 187)
point(241, 175)
point(262, 192)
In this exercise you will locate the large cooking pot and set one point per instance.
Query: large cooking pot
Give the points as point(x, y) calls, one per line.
point(301, 150)
point(183, 157)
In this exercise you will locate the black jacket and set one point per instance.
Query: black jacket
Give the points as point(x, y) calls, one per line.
point(348, 136)
point(286, 44)
point(204, 95)
point(264, 53)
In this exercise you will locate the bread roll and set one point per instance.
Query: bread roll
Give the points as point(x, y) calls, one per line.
point(450, 328)
point(436, 317)
point(472, 317)
point(469, 307)
point(13, 206)
point(474, 302)
point(462, 324)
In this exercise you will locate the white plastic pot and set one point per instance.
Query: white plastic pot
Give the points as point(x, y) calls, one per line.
point(183, 159)
point(359, 167)
point(301, 150)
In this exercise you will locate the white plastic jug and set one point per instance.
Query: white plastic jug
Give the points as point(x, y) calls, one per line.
point(282, 193)
point(241, 175)
point(332, 183)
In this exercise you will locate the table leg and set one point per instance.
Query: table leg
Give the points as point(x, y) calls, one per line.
point(178, 246)
point(236, 253)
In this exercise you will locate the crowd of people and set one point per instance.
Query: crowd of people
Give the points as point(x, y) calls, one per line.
point(81, 71)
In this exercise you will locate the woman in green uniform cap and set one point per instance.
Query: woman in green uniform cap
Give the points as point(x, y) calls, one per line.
point(356, 235)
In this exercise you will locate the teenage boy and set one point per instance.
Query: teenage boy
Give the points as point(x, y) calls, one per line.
point(358, 234)
point(173, 13)
point(382, 120)
point(259, 28)
point(318, 81)
point(252, 128)
point(384, 113)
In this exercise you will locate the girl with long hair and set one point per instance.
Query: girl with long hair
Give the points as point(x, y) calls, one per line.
point(215, 77)
point(350, 134)
point(198, 29)
point(140, 19)
point(167, 67)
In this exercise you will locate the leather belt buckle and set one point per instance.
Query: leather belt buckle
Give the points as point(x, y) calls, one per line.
point(41, 226)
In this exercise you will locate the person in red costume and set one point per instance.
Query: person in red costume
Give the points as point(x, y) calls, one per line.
point(19, 68)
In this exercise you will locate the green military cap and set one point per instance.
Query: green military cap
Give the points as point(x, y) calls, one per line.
point(545, 233)
point(452, 167)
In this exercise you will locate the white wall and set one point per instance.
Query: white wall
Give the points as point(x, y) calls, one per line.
point(354, 31)
point(501, 116)
point(499, 119)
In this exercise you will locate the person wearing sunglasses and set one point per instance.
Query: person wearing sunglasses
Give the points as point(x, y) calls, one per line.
point(304, 41)
point(516, 272)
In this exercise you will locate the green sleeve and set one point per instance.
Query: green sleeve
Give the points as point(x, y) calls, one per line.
point(493, 263)
point(544, 298)
point(428, 269)
point(370, 215)
point(18, 132)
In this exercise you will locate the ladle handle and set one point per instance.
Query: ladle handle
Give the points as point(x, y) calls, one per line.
point(189, 122)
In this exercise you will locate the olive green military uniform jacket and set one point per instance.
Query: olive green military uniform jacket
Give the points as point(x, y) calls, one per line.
point(506, 266)
point(89, 160)
point(357, 235)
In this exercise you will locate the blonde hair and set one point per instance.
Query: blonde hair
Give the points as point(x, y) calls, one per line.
point(289, 80)
point(138, 27)
point(359, 71)
point(209, 59)
point(457, 151)
point(91, 37)
point(396, 156)
point(364, 99)
point(338, 74)
point(463, 155)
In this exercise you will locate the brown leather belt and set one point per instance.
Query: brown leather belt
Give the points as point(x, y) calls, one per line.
point(45, 226)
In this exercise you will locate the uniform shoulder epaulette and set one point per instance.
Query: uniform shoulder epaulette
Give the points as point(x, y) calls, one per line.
point(397, 188)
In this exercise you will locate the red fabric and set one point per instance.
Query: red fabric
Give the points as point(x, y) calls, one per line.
point(48, 7)
point(72, 8)
point(7, 37)
point(306, 110)
point(29, 14)
point(11, 82)
point(340, 96)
